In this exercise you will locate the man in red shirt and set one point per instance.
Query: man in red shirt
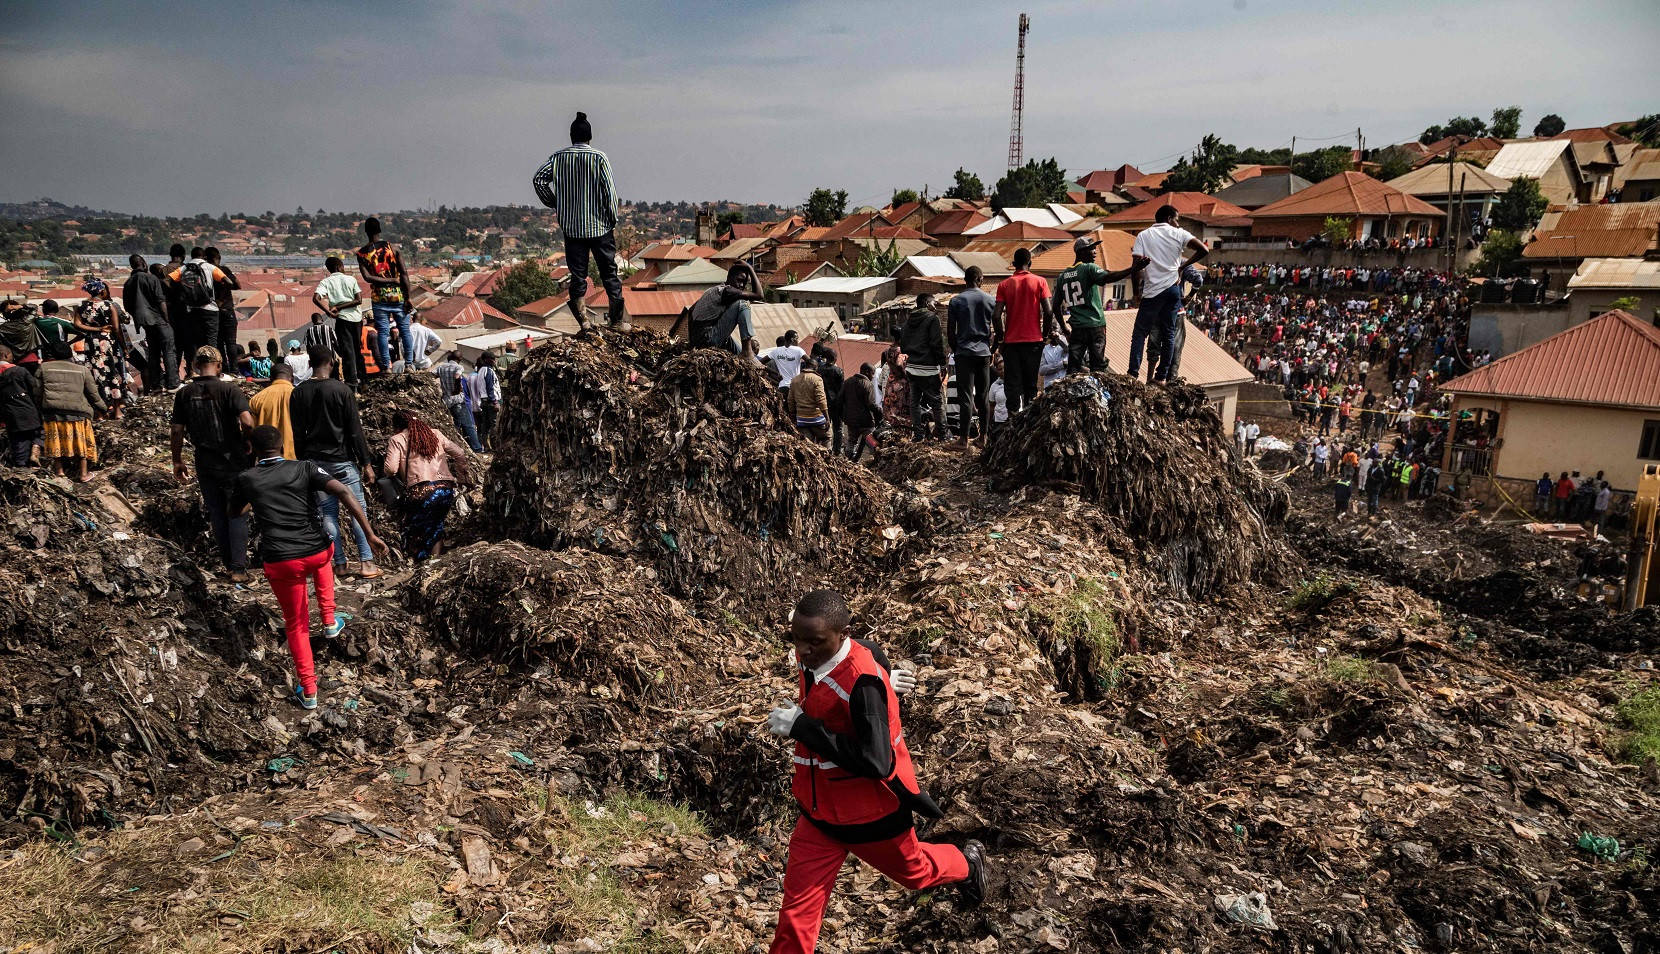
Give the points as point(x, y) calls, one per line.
point(1564, 492)
point(1022, 300)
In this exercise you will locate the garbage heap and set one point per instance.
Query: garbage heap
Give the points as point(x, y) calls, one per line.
point(685, 458)
point(119, 670)
point(1156, 458)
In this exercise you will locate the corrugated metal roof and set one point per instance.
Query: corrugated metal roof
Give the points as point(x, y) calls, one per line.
point(1644, 165)
point(1530, 159)
point(1432, 180)
point(1616, 273)
point(1612, 230)
point(837, 286)
point(1612, 360)
point(698, 271)
point(1026, 231)
point(1203, 361)
point(741, 248)
point(1113, 253)
point(772, 320)
point(1260, 190)
point(1194, 205)
point(989, 263)
point(933, 266)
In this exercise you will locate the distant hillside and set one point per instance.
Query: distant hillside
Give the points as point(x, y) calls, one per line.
point(50, 209)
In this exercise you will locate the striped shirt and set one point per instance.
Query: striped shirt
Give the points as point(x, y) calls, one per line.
point(577, 182)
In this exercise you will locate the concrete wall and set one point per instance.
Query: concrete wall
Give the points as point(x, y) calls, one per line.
point(1227, 401)
point(1506, 329)
point(1587, 303)
point(1278, 254)
point(1540, 438)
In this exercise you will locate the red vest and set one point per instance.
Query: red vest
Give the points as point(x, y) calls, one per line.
point(824, 790)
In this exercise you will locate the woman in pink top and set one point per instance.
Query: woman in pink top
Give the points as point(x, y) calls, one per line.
point(421, 457)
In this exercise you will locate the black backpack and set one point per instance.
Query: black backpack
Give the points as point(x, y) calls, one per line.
point(195, 288)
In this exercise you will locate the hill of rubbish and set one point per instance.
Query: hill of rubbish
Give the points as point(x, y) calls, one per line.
point(1177, 725)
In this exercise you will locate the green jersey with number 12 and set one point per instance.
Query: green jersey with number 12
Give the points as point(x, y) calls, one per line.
point(1079, 289)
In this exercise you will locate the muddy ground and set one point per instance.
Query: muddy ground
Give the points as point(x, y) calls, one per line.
point(1392, 735)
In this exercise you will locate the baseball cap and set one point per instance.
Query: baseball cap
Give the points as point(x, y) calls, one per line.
point(1083, 244)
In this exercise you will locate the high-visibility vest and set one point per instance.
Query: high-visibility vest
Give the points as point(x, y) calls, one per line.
point(827, 791)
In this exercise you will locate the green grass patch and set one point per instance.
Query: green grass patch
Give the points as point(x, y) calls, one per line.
point(1313, 596)
point(1085, 615)
point(1640, 714)
point(1350, 669)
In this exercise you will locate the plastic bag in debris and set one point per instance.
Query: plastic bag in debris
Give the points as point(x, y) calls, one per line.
point(1250, 908)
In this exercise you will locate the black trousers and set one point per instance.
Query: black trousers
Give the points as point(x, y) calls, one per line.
point(973, 383)
point(161, 369)
point(1020, 367)
point(225, 322)
point(604, 250)
point(1087, 345)
point(348, 344)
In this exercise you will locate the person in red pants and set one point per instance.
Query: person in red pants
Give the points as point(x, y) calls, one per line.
point(295, 550)
point(854, 780)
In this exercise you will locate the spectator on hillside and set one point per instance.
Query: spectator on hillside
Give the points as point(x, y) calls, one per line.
point(457, 393)
point(1020, 325)
point(786, 358)
point(270, 406)
point(429, 464)
point(328, 432)
point(298, 364)
point(1159, 250)
point(924, 347)
point(214, 414)
point(224, 300)
point(486, 393)
point(341, 299)
point(724, 309)
point(576, 182)
point(145, 298)
point(99, 321)
point(381, 266)
point(319, 333)
point(423, 341)
point(20, 392)
point(1078, 298)
point(195, 281)
point(68, 398)
point(861, 411)
point(969, 326)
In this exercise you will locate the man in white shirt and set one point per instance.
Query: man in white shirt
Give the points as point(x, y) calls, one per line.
point(424, 341)
point(1252, 432)
point(1159, 289)
point(786, 359)
point(341, 299)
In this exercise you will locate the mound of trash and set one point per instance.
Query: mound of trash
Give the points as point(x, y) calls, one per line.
point(1156, 458)
point(685, 458)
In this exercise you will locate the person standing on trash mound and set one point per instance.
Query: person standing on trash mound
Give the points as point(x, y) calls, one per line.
point(854, 781)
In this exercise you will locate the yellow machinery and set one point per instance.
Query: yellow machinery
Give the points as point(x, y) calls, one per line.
point(1642, 575)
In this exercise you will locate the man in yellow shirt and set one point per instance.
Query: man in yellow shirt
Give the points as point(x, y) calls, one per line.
point(270, 406)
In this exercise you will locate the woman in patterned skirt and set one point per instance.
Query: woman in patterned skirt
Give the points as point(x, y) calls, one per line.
point(99, 322)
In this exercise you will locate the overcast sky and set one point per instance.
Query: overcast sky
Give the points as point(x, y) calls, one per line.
point(167, 107)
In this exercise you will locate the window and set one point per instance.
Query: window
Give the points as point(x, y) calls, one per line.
point(1649, 447)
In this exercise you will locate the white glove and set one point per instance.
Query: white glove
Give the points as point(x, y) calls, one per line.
point(782, 719)
point(904, 681)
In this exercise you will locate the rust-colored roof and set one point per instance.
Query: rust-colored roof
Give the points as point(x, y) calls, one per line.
point(1106, 180)
point(1026, 231)
point(813, 233)
point(461, 311)
point(898, 213)
point(1135, 193)
point(1612, 360)
point(1113, 253)
point(1152, 180)
point(1193, 205)
point(743, 230)
point(857, 222)
point(1348, 193)
point(1592, 134)
point(1003, 248)
point(1611, 230)
point(954, 223)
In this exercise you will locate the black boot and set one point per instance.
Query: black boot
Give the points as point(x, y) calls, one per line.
point(617, 318)
point(973, 888)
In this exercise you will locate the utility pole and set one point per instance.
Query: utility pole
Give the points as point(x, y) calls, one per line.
point(1017, 142)
point(1292, 162)
point(1447, 232)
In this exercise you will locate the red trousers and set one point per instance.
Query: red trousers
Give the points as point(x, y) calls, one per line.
point(816, 858)
point(288, 580)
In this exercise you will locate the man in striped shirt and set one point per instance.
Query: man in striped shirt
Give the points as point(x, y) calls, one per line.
point(576, 181)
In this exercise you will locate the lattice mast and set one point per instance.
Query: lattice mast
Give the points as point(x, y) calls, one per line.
point(1017, 144)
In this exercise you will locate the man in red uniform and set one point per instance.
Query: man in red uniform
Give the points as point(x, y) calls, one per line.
point(853, 779)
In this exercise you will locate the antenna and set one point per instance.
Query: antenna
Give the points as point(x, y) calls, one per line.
point(1017, 144)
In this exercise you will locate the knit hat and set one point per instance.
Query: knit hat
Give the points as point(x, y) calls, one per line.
point(580, 130)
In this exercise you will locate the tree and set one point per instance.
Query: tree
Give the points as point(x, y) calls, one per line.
point(1033, 184)
point(902, 196)
point(1646, 131)
point(1625, 303)
point(1208, 168)
point(1507, 122)
point(522, 284)
point(1457, 126)
point(1432, 134)
point(1549, 125)
point(1322, 164)
point(825, 208)
point(1499, 253)
point(1337, 230)
point(1392, 163)
point(1520, 207)
point(727, 219)
point(966, 185)
point(877, 261)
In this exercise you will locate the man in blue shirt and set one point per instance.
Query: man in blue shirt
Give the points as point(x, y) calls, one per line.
point(576, 181)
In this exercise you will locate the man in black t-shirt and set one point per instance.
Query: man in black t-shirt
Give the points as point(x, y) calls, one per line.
point(292, 544)
point(214, 414)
